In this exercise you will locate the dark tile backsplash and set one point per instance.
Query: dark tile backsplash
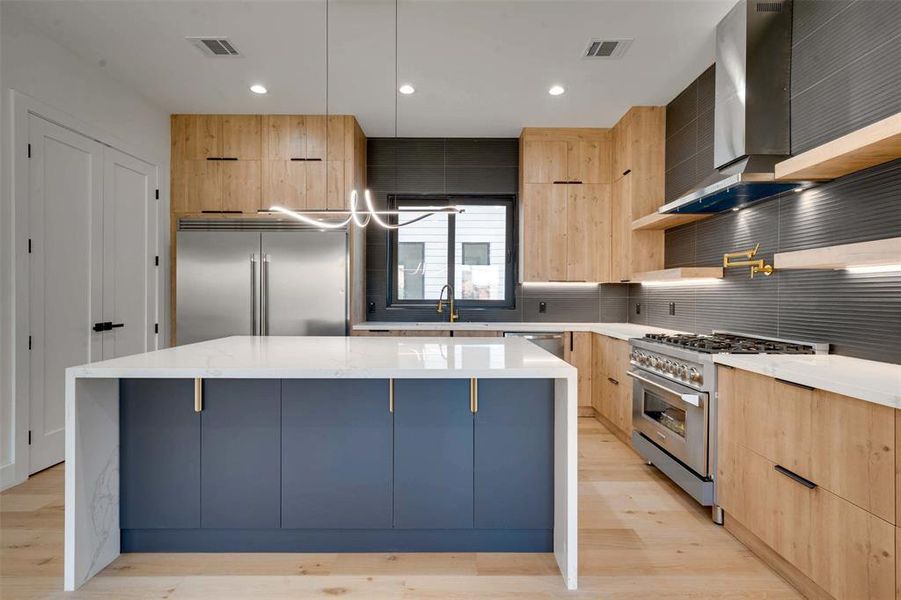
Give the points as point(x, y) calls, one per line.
point(859, 315)
point(844, 76)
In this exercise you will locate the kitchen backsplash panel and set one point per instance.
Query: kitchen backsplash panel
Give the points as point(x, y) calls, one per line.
point(859, 315)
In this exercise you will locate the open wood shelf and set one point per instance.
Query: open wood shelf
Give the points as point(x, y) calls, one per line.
point(679, 274)
point(657, 221)
point(862, 254)
point(867, 147)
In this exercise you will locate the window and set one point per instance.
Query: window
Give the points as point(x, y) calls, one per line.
point(472, 251)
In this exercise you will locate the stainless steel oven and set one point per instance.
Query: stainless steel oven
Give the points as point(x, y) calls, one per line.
point(673, 416)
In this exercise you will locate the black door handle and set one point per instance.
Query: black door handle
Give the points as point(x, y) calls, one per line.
point(107, 326)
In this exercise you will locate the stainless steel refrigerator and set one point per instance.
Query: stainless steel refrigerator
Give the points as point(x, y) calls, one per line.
point(238, 280)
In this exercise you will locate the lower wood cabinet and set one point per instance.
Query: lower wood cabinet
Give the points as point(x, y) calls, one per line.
point(347, 426)
point(577, 351)
point(337, 465)
point(611, 388)
point(812, 476)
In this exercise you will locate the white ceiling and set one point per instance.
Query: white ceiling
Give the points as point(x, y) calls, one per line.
point(480, 68)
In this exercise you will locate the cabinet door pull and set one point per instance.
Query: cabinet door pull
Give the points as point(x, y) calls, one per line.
point(800, 385)
point(298, 159)
point(626, 172)
point(198, 394)
point(314, 159)
point(473, 395)
point(574, 182)
point(613, 381)
point(794, 476)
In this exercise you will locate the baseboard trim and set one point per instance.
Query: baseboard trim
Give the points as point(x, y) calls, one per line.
point(621, 435)
point(790, 573)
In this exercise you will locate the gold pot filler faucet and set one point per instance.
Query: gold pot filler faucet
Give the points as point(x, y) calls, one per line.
point(452, 315)
point(757, 266)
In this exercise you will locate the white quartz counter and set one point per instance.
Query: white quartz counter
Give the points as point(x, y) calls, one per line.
point(338, 357)
point(621, 331)
point(864, 379)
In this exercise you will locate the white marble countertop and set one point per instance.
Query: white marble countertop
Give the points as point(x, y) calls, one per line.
point(864, 379)
point(621, 331)
point(338, 357)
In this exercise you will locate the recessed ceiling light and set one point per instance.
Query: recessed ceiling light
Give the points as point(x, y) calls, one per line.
point(556, 90)
point(406, 89)
point(735, 209)
point(258, 89)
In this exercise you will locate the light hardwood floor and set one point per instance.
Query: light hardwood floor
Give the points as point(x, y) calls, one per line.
point(640, 537)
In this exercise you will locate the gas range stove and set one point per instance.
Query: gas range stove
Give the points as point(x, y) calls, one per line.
point(688, 358)
point(674, 401)
point(731, 343)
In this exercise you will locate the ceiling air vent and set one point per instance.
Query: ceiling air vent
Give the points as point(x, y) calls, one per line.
point(599, 48)
point(214, 46)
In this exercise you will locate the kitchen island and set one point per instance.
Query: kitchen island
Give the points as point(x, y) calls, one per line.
point(322, 444)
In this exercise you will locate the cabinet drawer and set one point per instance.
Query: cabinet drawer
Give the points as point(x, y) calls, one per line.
point(845, 445)
point(847, 551)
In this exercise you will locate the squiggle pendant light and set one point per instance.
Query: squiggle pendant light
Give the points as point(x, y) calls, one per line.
point(355, 215)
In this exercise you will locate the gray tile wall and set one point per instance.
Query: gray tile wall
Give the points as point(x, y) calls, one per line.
point(467, 166)
point(844, 76)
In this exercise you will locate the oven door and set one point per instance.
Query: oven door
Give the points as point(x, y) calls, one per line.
point(673, 416)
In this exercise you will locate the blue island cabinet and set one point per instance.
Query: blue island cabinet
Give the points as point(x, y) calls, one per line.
point(337, 465)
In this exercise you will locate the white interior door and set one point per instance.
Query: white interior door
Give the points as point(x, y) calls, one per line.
point(129, 247)
point(65, 224)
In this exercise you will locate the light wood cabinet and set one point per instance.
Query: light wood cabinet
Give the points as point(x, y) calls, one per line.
point(611, 389)
point(591, 237)
point(638, 173)
point(835, 524)
point(565, 197)
point(577, 351)
point(544, 231)
point(242, 163)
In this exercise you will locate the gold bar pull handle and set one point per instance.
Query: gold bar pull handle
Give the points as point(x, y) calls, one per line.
point(474, 395)
point(198, 394)
point(391, 395)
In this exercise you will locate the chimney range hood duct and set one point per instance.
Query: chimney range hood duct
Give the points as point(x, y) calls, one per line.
point(751, 111)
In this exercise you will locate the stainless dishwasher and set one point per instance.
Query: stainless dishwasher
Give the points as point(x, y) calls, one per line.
point(550, 341)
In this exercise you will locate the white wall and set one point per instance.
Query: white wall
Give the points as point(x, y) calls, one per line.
point(44, 70)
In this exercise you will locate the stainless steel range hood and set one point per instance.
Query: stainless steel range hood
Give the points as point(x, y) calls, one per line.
point(751, 112)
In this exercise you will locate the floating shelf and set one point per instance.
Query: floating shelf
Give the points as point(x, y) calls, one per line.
point(877, 253)
point(867, 147)
point(658, 221)
point(679, 274)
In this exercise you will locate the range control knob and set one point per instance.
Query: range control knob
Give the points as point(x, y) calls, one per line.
point(695, 376)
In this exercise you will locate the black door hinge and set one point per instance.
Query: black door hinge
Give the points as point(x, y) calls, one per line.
point(29, 245)
point(156, 328)
point(29, 437)
point(157, 194)
point(29, 342)
point(29, 150)
point(156, 261)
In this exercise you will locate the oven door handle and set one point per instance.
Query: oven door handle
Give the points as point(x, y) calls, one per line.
point(693, 399)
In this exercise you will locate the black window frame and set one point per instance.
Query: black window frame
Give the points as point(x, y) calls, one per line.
point(507, 200)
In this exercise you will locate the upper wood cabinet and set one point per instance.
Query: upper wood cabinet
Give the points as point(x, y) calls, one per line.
point(565, 197)
point(638, 172)
point(585, 233)
point(243, 163)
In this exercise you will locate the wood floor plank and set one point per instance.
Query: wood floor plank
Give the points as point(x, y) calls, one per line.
point(640, 538)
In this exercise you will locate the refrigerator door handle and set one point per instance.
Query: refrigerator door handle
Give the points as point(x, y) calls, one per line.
point(264, 296)
point(253, 295)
